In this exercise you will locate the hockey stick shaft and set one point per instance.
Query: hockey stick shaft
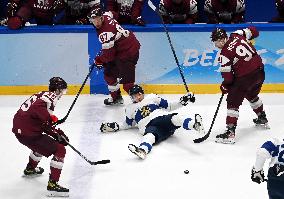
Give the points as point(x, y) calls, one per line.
point(151, 5)
point(79, 92)
point(85, 158)
point(198, 140)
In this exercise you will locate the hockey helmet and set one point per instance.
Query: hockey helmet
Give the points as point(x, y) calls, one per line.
point(97, 12)
point(135, 89)
point(217, 34)
point(57, 83)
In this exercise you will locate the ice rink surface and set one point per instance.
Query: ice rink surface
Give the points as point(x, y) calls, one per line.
point(216, 171)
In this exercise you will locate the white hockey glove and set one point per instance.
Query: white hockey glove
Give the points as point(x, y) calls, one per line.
point(257, 176)
point(109, 127)
point(188, 97)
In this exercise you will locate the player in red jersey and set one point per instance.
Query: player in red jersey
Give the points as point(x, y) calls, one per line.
point(43, 11)
point(119, 54)
point(33, 127)
point(178, 11)
point(127, 11)
point(243, 73)
point(225, 11)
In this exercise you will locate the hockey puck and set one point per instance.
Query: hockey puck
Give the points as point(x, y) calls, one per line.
point(186, 172)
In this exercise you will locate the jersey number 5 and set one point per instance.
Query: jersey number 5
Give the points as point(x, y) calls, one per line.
point(27, 104)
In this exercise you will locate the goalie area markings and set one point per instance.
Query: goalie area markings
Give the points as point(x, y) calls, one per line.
point(148, 88)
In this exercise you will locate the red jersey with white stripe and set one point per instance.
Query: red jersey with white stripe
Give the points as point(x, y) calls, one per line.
point(35, 111)
point(239, 57)
point(116, 41)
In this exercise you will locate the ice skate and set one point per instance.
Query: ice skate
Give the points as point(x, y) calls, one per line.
point(55, 190)
point(137, 151)
point(118, 101)
point(198, 126)
point(261, 120)
point(30, 173)
point(228, 137)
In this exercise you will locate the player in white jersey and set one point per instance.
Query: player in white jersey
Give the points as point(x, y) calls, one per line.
point(151, 115)
point(273, 150)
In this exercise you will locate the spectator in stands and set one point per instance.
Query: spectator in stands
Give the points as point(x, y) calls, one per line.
point(77, 11)
point(280, 9)
point(42, 11)
point(178, 11)
point(127, 11)
point(225, 11)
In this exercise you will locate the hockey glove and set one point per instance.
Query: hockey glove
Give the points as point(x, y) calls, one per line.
point(61, 137)
point(257, 176)
point(109, 127)
point(189, 97)
point(224, 89)
point(54, 118)
point(98, 62)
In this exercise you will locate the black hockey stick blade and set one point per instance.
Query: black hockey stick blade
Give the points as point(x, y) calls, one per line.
point(85, 158)
point(198, 140)
point(99, 162)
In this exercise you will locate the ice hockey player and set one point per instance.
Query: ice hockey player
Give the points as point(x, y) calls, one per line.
point(127, 11)
point(119, 54)
point(178, 11)
point(33, 127)
point(151, 115)
point(225, 11)
point(243, 73)
point(42, 11)
point(273, 150)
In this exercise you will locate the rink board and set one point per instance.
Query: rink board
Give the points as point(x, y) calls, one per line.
point(32, 55)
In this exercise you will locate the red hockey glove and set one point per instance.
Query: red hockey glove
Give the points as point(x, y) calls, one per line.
point(61, 137)
point(54, 118)
point(98, 62)
point(138, 21)
point(224, 89)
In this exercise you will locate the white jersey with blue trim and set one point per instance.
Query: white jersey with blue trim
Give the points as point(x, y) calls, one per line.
point(272, 149)
point(143, 112)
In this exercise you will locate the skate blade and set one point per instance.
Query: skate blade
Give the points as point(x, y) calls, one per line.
point(31, 176)
point(57, 194)
point(225, 141)
point(133, 150)
point(265, 126)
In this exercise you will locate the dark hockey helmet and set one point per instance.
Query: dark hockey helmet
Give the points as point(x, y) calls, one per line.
point(96, 12)
point(57, 83)
point(135, 89)
point(217, 34)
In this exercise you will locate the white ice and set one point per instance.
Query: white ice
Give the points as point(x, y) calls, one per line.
point(215, 170)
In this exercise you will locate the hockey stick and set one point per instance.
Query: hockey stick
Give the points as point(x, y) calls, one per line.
point(79, 92)
point(198, 140)
point(151, 5)
point(84, 157)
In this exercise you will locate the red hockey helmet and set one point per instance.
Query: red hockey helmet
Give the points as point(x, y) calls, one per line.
point(217, 34)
